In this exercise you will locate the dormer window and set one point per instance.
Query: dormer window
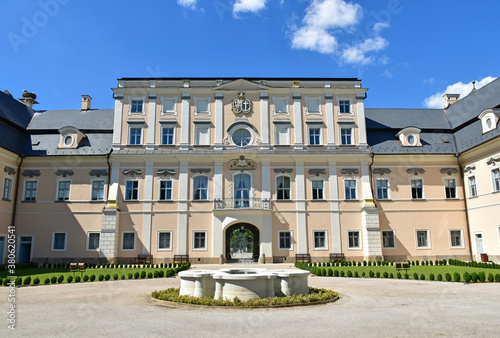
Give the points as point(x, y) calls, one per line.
point(70, 137)
point(68, 140)
point(409, 137)
point(489, 119)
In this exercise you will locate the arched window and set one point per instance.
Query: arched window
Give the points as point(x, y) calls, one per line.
point(283, 187)
point(200, 188)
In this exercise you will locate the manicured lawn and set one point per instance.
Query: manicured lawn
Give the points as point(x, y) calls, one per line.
point(426, 270)
point(44, 273)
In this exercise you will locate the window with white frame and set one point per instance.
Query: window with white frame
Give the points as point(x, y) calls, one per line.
point(199, 240)
point(167, 135)
point(388, 239)
point(472, 186)
point(495, 174)
point(353, 238)
point(285, 238)
point(202, 106)
point(315, 136)
point(319, 239)
point(30, 190)
point(135, 136)
point(280, 105)
point(58, 241)
point(98, 190)
point(136, 106)
point(7, 188)
point(200, 188)
point(417, 188)
point(93, 240)
point(423, 240)
point(317, 189)
point(128, 240)
point(282, 135)
point(164, 240)
point(241, 137)
point(382, 189)
point(350, 189)
point(344, 106)
point(456, 239)
point(165, 190)
point(63, 188)
point(346, 135)
point(313, 105)
point(283, 188)
point(169, 106)
point(450, 187)
point(202, 135)
point(132, 190)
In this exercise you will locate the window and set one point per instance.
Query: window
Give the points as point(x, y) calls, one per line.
point(165, 190)
point(169, 106)
point(456, 239)
point(382, 189)
point(199, 240)
point(200, 188)
point(68, 140)
point(241, 137)
point(317, 189)
point(353, 238)
point(450, 188)
point(388, 239)
point(202, 135)
point(423, 239)
point(128, 241)
point(132, 190)
point(320, 240)
point(167, 135)
point(7, 188)
point(495, 173)
point(313, 105)
point(97, 190)
point(346, 136)
point(281, 136)
point(30, 190)
point(350, 189)
point(63, 190)
point(285, 239)
point(135, 137)
point(283, 187)
point(345, 106)
point(93, 239)
point(315, 136)
point(472, 186)
point(136, 106)
point(164, 240)
point(58, 241)
point(411, 139)
point(417, 189)
point(280, 105)
point(202, 106)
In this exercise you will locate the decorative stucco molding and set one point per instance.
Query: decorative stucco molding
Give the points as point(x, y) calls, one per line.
point(200, 170)
point(283, 170)
point(132, 172)
point(349, 171)
point(493, 160)
point(64, 173)
point(98, 173)
point(9, 170)
point(317, 172)
point(449, 171)
point(381, 171)
point(166, 172)
point(415, 171)
point(242, 163)
point(31, 173)
point(469, 169)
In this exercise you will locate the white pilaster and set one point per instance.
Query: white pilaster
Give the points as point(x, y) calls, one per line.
point(182, 225)
point(185, 122)
point(365, 184)
point(334, 208)
point(148, 207)
point(302, 246)
point(150, 145)
point(219, 121)
point(297, 120)
point(361, 121)
point(218, 180)
point(330, 121)
point(266, 180)
point(117, 124)
point(114, 184)
point(264, 120)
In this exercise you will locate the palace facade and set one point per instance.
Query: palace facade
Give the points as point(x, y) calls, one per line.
point(230, 168)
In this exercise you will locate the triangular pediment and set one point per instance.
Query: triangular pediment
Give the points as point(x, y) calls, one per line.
point(241, 85)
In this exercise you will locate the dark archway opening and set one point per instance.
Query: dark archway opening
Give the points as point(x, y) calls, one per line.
point(242, 242)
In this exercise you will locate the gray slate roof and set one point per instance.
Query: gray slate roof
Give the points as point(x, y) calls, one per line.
point(14, 111)
point(93, 144)
point(94, 119)
point(398, 118)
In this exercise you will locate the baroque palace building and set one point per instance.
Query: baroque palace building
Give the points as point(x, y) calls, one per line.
point(223, 169)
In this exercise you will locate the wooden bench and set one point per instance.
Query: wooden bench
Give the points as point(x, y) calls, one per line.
point(181, 258)
point(402, 266)
point(337, 257)
point(145, 259)
point(77, 267)
point(304, 258)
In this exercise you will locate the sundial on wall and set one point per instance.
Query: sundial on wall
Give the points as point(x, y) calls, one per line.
point(241, 104)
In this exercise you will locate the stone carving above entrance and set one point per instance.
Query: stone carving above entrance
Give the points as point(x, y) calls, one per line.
point(242, 163)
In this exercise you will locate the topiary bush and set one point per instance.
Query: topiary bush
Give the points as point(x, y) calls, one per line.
point(377, 274)
point(407, 276)
point(439, 277)
point(369, 263)
point(85, 278)
point(107, 276)
point(415, 275)
point(466, 277)
point(330, 273)
point(150, 274)
point(69, 279)
point(422, 276)
point(78, 279)
point(143, 274)
point(27, 281)
point(349, 273)
point(481, 276)
point(431, 276)
point(363, 274)
point(129, 276)
point(371, 274)
point(473, 277)
point(386, 274)
point(456, 277)
point(161, 273)
point(364, 263)
point(115, 276)
point(92, 277)
point(336, 273)
point(46, 281)
point(53, 279)
point(342, 273)
point(60, 279)
point(448, 277)
point(356, 274)
point(497, 277)
point(136, 275)
point(101, 277)
point(398, 275)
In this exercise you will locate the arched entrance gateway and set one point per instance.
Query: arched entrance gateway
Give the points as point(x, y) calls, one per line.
point(242, 242)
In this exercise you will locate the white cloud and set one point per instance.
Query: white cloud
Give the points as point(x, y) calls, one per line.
point(387, 73)
point(253, 6)
point(437, 101)
point(187, 3)
point(325, 20)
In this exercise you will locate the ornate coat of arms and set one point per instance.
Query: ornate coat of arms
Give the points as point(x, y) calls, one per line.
point(241, 104)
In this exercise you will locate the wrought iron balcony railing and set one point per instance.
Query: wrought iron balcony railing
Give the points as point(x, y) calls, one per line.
point(242, 203)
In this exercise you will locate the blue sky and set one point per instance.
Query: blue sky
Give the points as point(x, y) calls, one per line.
point(407, 52)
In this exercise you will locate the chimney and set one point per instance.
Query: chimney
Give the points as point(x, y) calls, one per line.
point(86, 100)
point(28, 98)
point(450, 99)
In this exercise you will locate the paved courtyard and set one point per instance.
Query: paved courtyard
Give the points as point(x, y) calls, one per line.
point(367, 307)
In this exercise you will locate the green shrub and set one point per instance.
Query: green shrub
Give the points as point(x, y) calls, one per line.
point(60, 279)
point(439, 277)
point(456, 277)
point(371, 274)
point(342, 273)
point(359, 263)
point(497, 277)
point(417, 263)
point(349, 273)
point(69, 279)
point(115, 276)
point(473, 277)
point(415, 275)
point(369, 263)
point(448, 277)
point(53, 279)
point(169, 273)
point(46, 281)
point(413, 263)
point(27, 281)
point(431, 263)
point(364, 263)
point(136, 275)
point(323, 272)
point(491, 278)
point(422, 276)
point(122, 277)
point(363, 274)
point(377, 274)
point(466, 277)
point(78, 279)
point(407, 276)
point(18, 281)
point(431, 276)
point(385, 274)
point(92, 277)
point(379, 263)
point(85, 278)
point(336, 273)
point(143, 274)
point(129, 276)
point(356, 274)
point(161, 273)
point(398, 275)
point(481, 276)
point(107, 277)
point(330, 273)
point(49, 266)
point(101, 277)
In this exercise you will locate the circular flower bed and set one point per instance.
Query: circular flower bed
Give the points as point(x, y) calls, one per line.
point(316, 296)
